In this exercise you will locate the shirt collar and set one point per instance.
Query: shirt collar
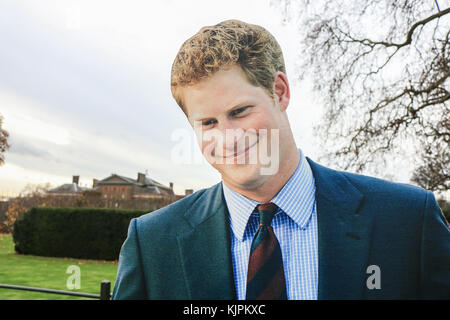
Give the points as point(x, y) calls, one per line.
point(296, 199)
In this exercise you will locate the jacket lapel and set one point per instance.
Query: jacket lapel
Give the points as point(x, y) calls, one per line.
point(343, 235)
point(205, 250)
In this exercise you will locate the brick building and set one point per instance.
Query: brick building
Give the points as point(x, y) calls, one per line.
point(120, 187)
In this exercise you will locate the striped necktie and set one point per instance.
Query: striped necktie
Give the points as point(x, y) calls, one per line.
point(265, 277)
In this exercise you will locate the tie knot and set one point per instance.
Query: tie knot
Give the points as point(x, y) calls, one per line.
point(266, 212)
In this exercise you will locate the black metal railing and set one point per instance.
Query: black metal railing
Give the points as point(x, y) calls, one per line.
point(105, 291)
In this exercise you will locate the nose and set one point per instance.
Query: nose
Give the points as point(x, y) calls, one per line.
point(231, 135)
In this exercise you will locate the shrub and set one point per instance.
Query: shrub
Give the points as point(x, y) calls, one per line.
point(84, 233)
point(446, 214)
point(445, 206)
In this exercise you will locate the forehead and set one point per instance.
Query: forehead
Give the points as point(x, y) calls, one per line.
point(223, 90)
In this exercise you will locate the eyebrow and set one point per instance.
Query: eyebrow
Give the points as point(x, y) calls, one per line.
point(241, 104)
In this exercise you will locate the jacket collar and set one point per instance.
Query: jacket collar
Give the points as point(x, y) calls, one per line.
point(296, 199)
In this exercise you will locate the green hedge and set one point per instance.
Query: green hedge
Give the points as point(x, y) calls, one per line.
point(83, 233)
point(446, 214)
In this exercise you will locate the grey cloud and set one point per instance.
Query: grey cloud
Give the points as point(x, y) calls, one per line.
point(20, 146)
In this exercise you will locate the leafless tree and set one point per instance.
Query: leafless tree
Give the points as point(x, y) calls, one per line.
point(382, 70)
point(3, 141)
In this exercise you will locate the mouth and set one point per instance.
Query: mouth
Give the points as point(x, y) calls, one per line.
point(243, 152)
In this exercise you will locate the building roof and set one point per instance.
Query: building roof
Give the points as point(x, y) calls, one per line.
point(68, 188)
point(149, 185)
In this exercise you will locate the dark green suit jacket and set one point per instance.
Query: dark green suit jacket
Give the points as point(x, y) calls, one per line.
point(183, 251)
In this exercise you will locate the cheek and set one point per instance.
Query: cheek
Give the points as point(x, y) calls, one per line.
point(264, 118)
point(205, 146)
point(263, 127)
point(267, 128)
point(208, 152)
point(208, 142)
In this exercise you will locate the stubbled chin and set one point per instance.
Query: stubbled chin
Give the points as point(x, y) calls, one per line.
point(244, 176)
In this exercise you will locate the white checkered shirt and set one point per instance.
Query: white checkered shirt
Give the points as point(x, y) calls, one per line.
point(295, 226)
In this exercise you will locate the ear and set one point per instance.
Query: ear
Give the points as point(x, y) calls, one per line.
point(281, 90)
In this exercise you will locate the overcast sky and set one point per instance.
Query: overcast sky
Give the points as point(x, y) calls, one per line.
point(84, 88)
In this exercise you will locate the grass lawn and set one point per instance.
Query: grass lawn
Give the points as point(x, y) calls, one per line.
point(45, 272)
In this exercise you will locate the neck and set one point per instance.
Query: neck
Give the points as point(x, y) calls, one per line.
point(270, 187)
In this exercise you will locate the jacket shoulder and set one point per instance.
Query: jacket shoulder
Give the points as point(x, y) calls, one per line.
point(169, 219)
point(391, 198)
point(369, 187)
point(378, 195)
point(372, 185)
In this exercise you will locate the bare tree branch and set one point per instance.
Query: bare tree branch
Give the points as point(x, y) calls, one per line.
point(382, 70)
point(409, 35)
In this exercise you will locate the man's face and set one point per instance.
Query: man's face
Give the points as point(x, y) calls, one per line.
point(239, 127)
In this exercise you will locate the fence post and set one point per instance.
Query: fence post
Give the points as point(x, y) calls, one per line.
point(105, 290)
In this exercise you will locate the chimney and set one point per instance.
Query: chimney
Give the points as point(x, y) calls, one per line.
point(188, 192)
point(171, 185)
point(75, 179)
point(141, 178)
point(94, 183)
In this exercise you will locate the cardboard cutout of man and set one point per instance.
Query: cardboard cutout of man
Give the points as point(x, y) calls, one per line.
point(333, 235)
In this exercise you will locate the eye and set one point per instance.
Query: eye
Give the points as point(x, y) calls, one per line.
point(238, 111)
point(207, 123)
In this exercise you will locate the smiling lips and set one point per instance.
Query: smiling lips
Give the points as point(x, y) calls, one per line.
point(236, 154)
